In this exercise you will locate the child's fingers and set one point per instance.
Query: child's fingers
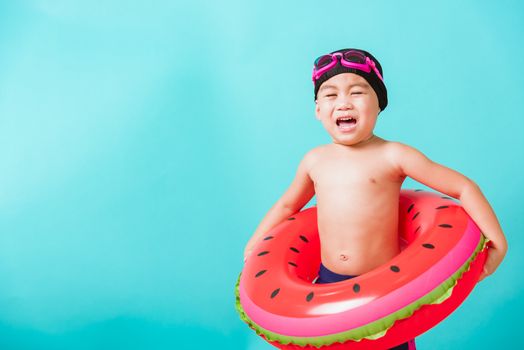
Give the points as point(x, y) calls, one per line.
point(246, 255)
point(483, 275)
point(487, 269)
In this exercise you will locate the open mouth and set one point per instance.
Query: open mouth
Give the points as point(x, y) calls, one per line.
point(346, 122)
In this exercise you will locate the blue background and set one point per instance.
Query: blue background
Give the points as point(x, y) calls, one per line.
point(142, 142)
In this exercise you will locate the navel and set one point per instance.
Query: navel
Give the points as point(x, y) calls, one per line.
point(372, 180)
point(344, 257)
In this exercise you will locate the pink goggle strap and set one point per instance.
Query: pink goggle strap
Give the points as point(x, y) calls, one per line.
point(366, 67)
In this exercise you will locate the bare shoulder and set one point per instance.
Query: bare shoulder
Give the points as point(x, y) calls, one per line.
point(409, 160)
point(313, 155)
point(397, 151)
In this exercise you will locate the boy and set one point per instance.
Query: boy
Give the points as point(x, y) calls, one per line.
point(357, 179)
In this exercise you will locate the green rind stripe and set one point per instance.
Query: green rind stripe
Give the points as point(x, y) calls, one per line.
point(372, 330)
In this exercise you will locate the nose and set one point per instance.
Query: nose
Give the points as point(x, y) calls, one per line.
point(344, 103)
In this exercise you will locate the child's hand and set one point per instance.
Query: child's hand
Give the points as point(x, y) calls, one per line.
point(495, 256)
point(247, 253)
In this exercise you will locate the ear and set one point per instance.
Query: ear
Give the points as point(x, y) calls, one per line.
point(317, 110)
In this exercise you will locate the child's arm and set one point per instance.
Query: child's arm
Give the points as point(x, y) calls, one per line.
point(417, 166)
point(297, 195)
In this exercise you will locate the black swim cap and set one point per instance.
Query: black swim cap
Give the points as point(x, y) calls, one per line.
point(376, 83)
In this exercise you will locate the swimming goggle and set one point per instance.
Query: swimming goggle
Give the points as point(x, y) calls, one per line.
point(350, 59)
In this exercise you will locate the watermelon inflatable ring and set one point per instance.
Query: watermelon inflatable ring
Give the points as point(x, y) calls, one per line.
point(443, 253)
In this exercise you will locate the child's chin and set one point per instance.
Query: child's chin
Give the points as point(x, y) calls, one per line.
point(345, 142)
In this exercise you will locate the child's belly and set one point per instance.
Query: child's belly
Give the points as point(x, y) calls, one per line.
point(358, 235)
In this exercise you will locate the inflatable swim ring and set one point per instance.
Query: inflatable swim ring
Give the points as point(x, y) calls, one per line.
point(443, 252)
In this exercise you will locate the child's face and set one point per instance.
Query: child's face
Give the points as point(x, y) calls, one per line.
point(348, 108)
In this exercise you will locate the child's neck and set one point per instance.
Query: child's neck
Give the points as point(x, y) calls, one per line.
point(362, 143)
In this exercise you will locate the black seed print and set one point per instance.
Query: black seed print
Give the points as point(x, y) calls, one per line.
point(394, 268)
point(295, 249)
point(268, 238)
point(418, 228)
point(419, 190)
point(275, 292)
point(310, 296)
point(443, 207)
point(304, 238)
point(410, 207)
point(291, 218)
point(446, 225)
point(260, 273)
point(415, 216)
point(263, 253)
point(428, 245)
point(292, 264)
point(356, 288)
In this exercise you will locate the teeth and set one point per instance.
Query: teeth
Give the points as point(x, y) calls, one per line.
point(345, 119)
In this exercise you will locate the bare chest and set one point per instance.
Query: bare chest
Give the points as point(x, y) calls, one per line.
point(355, 173)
